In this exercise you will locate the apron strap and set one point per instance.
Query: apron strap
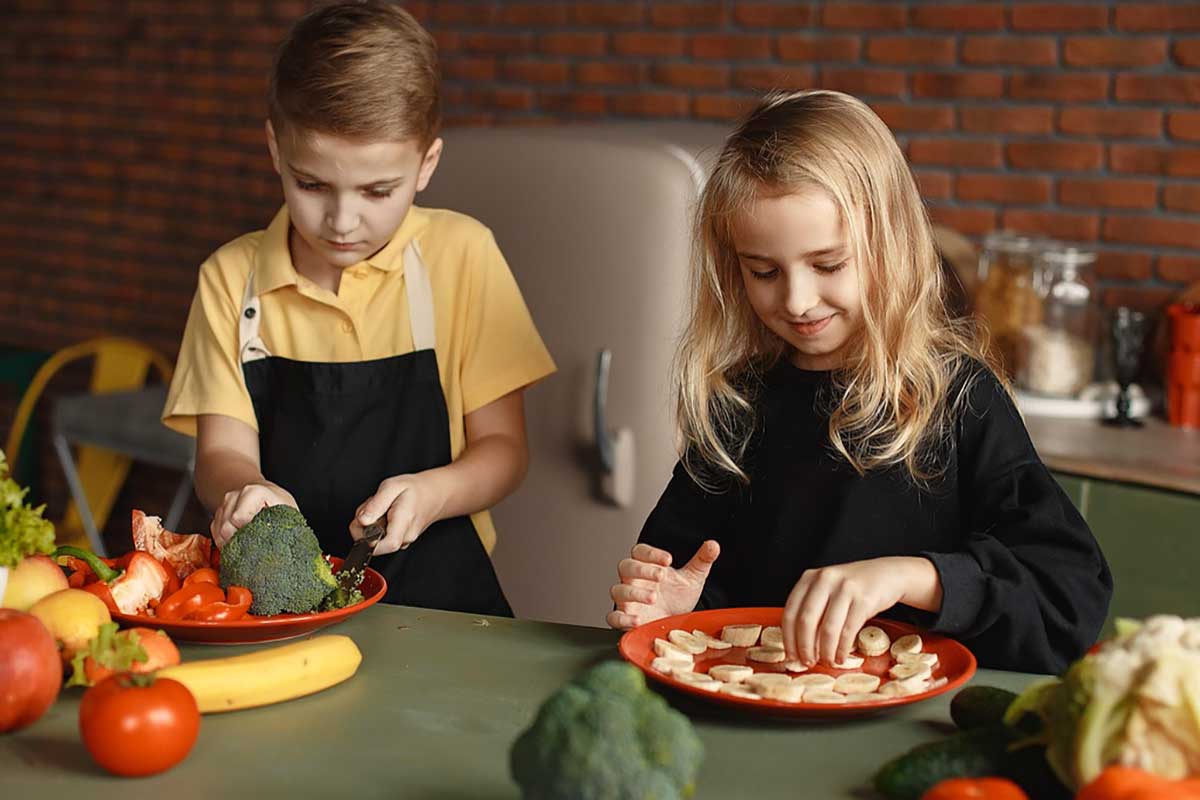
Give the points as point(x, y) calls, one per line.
point(250, 344)
point(420, 299)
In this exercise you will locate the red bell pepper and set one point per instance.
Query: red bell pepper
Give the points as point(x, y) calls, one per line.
point(101, 590)
point(133, 580)
point(236, 608)
point(187, 600)
point(203, 575)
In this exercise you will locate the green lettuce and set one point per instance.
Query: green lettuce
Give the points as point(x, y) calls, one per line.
point(23, 531)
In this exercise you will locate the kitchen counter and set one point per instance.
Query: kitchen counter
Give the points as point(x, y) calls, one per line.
point(432, 712)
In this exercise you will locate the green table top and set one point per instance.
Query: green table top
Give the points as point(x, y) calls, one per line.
point(432, 712)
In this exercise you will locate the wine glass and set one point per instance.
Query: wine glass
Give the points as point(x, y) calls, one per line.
point(1128, 329)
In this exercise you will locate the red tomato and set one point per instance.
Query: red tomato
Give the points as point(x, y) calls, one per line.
point(30, 669)
point(137, 725)
point(161, 653)
point(975, 789)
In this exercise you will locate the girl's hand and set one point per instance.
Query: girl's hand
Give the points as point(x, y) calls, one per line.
point(240, 505)
point(650, 589)
point(410, 504)
point(829, 606)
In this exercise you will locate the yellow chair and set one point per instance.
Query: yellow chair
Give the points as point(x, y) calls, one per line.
point(120, 364)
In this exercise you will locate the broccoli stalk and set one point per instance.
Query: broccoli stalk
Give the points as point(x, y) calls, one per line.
point(278, 558)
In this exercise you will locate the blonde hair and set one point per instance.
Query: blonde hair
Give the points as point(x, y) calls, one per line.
point(893, 403)
point(363, 70)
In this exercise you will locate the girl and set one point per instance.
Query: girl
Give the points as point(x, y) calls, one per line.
point(845, 451)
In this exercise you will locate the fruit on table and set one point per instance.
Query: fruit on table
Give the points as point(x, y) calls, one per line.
point(976, 789)
point(30, 580)
point(268, 676)
point(73, 617)
point(135, 650)
point(30, 669)
point(136, 725)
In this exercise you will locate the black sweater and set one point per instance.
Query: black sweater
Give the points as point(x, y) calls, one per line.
point(1024, 584)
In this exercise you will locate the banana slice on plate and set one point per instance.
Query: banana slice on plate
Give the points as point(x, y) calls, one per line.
point(928, 659)
point(795, 666)
point(904, 672)
point(698, 680)
point(787, 693)
point(856, 683)
point(731, 673)
point(873, 641)
point(815, 680)
point(713, 642)
point(851, 662)
point(737, 690)
point(864, 697)
point(766, 655)
point(686, 641)
point(665, 649)
point(759, 681)
point(906, 644)
point(823, 696)
point(772, 637)
point(741, 635)
point(896, 689)
point(671, 666)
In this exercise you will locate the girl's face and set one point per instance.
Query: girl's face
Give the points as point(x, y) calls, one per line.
point(800, 274)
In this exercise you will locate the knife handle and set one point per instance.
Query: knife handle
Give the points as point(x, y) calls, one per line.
point(374, 532)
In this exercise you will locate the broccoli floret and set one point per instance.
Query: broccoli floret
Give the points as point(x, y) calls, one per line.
point(606, 736)
point(277, 557)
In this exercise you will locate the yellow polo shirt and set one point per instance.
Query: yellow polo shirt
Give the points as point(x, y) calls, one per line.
point(487, 345)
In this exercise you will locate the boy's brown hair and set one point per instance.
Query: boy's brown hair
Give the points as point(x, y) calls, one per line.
point(363, 70)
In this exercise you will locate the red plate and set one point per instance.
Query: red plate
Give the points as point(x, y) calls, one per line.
point(262, 629)
point(955, 662)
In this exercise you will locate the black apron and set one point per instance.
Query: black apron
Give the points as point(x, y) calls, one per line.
point(329, 433)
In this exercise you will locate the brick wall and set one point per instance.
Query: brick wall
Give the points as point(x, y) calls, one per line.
point(131, 139)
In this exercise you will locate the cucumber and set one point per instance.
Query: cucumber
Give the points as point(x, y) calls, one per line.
point(967, 754)
point(980, 706)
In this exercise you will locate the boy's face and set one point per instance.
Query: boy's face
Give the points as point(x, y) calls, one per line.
point(800, 275)
point(347, 198)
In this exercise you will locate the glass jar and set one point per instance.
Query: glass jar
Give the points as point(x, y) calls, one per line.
point(1059, 357)
point(1008, 300)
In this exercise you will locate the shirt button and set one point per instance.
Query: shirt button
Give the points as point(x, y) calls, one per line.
point(348, 327)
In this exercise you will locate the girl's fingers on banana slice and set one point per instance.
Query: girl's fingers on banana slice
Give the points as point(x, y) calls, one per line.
point(736, 690)
point(670, 666)
point(713, 642)
point(795, 666)
point(731, 673)
point(772, 637)
point(759, 681)
point(864, 697)
point(928, 659)
point(873, 641)
point(903, 672)
point(789, 693)
point(741, 635)
point(906, 644)
point(667, 650)
point(852, 662)
point(815, 680)
point(687, 641)
point(766, 655)
point(823, 696)
point(856, 683)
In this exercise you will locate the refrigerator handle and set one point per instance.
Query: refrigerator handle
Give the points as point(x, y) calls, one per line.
point(614, 448)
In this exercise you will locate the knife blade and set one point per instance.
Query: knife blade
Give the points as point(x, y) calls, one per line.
point(351, 573)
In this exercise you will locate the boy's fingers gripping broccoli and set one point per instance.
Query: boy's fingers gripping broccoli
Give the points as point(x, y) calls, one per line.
point(606, 736)
point(278, 558)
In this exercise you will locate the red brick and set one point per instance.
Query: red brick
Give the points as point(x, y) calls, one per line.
point(585, 103)
point(570, 43)
point(910, 117)
point(692, 76)
point(1184, 125)
point(1107, 51)
point(1059, 225)
point(496, 42)
point(1027, 51)
point(687, 15)
point(1152, 230)
point(620, 12)
point(967, 221)
point(911, 49)
point(1062, 87)
point(981, 85)
point(447, 41)
point(1175, 161)
point(960, 16)
point(955, 152)
point(731, 45)
point(764, 79)
point(1182, 197)
point(1108, 193)
point(1158, 17)
point(772, 15)
point(818, 47)
point(933, 185)
point(649, 44)
point(721, 107)
point(610, 74)
point(469, 69)
point(1149, 299)
point(1057, 156)
point(1059, 16)
point(999, 119)
point(864, 16)
point(1121, 265)
point(502, 99)
point(445, 12)
point(864, 81)
point(537, 71)
point(1111, 122)
point(1158, 88)
point(1187, 52)
point(1179, 269)
point(651, 104)
point(528, 15)
point(1006, 189)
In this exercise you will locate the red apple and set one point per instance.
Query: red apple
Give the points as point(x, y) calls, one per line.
point(30, 669)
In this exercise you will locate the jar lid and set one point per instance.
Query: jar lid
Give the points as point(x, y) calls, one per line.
point(1067, 256)
point(1007, 241)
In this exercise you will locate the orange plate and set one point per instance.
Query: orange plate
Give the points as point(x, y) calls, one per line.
point(262, 629)
point(955, 662)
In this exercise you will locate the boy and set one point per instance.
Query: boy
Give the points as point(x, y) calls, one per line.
point(362, 359)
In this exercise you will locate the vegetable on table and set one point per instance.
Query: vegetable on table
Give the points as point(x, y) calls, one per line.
point(1130, 783)
point(133, 581)
point(134, 725)
point(134, 650)
point(73, 617)
point(188, 600)
point(30, 669)
point(184, 553)
point(975, 789)
point(24, 536)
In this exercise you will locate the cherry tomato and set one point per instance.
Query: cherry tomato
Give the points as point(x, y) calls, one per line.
point(137, 725)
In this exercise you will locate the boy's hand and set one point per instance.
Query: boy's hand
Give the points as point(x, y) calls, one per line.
point(650, 589)
point(240, 506)
point(829, 606)
point(410, 503)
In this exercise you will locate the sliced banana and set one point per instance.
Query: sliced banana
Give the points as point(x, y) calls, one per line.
point(667, 650)
point(772, 637)
point(928, 659)
point(736, 690)
point(823, 696)
point(698, 680)
point(852, 662)
point(670, 666)
point(766, 655)
point(895, 689)
point(864, 697)
point(741, 635)
point(873, 641)
point(815, 680)
point(787, 693)
point(731, 673)
point(937, 684)
point(906, 644)
point(687, 641)
point(798, 666)
point(903, 672)
point(856, 683)
point(759, 681)
point(713, 642)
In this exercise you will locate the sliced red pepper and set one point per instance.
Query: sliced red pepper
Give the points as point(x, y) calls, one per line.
point(237, 607)
point(187, 600)
point(173, 582)
point(101, 590)
point(203, 575)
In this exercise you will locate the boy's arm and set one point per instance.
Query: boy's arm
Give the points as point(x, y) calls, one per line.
point(491, 467)
point(229, 480)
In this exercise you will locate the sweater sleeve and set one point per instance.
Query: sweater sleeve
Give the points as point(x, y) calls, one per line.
point(1028, 589)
